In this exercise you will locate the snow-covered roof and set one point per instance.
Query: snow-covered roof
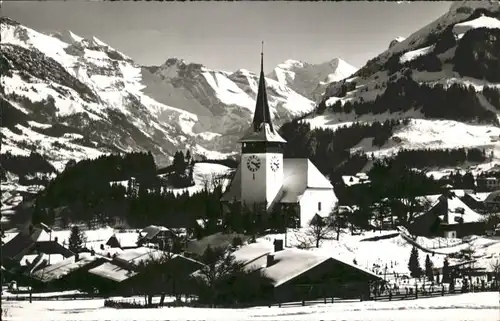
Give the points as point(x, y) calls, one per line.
point(62, 268)
point(27, 239)
point(251, 252)
point(153, 230)
point(127, 239)
point(455, 209)
point(113, 272)
point(493, 197)
point(299, 174)
point(135, 256)
point(480, 197)
point(288, 263)
point(31, 258)
point(354, 180)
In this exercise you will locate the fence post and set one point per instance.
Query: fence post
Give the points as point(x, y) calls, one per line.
point(442, 290)
point(390, 295)
point(416, 291)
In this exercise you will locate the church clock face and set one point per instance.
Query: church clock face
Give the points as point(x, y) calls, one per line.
point(275, 163)
point(253, 163)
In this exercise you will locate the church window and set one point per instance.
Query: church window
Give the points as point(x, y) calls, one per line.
point(319, 206)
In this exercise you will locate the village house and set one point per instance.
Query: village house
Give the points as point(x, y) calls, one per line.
point(123, 241)
point(265, 178)
point(492, 202)
point(305, 275)
point(27, 245)
point(68, 274)
point(475, 200)
point(489, 183)
point(128, 273)
point(448, 216)
point(359, 178)
point(156, 235)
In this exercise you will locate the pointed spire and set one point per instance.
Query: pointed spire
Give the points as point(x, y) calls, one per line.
point(262, 114)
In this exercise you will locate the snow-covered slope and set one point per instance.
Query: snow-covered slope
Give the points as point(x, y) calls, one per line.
point(457, 57)
point(459, 10)
point(86, 85)
point(310, 80)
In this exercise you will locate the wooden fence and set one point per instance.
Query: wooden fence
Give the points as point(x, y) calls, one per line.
point(392, 296)
point(35, 297)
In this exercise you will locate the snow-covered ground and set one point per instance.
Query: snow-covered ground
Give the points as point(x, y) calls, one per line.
point(473, 306)
point(94, 238)
point(393, 252)
point(204, 175)
point(419, 134)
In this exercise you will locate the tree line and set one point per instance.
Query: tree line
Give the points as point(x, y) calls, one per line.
point(456, 102)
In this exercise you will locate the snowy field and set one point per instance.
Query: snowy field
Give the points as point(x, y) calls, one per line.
point(393, 251)
point(472, 306)
point(204, 175)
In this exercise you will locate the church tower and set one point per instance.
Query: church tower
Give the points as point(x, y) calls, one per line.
point(261, 153)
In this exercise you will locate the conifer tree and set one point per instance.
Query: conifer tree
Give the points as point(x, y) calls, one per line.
point(428, 268)
point(76, 239)
point(414, 264)
point(446, 272)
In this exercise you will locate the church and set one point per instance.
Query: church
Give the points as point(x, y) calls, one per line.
point(265, 177)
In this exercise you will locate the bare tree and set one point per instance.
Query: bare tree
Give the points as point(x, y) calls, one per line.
point(336, 220)
point(157, 264)
point(495, 269)
point(214, 181)
point(218, 264)
point(224, 279)
point(319, 229)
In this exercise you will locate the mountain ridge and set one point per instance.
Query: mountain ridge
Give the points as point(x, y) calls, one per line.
point(434, 79)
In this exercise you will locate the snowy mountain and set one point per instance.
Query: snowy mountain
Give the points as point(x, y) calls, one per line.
point(223, 102)
point(310, 80)
point(66, 97)
point(445, 78)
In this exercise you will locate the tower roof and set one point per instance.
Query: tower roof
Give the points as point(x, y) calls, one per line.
point(262, 128)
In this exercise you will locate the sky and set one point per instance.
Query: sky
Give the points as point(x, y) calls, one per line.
point(227, 35)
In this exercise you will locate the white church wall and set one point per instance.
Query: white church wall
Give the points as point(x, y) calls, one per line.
point(264, 183)
point(316, 201)
point(253, 189)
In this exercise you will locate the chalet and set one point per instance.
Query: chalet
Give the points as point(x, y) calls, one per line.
point(359, 178)
point(475, 201)
point(492, 202)
point(266, 179)
point(68, 274)
point(113, 278)
point(197, 247)
point(448, 216)
point(123, 241)
point(29, 243)
point(488, 183)
point(155, 234)
point(125, 274)
point(305, 275)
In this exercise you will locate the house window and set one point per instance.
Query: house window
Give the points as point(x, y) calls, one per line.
point(319, 206)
